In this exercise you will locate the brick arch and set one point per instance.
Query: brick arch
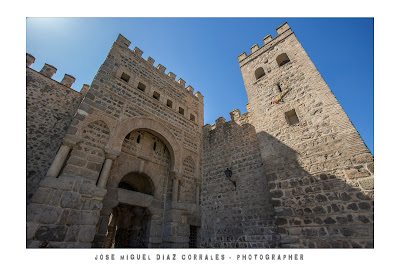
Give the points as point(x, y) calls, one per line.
point(152, 126)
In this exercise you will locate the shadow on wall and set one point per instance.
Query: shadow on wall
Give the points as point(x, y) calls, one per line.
point(327, 208)
point(279, 201)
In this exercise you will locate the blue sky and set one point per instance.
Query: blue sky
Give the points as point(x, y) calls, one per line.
point(204, 51)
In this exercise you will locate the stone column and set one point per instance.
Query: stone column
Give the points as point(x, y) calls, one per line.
point(111, 155)
point(175, 185)
point(59, 160)
point(197, 194)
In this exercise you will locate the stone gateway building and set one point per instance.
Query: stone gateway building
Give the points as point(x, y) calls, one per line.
point(127, 163)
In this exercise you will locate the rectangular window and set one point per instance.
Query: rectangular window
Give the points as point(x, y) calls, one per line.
point(141, 86)
point(156, 96)
point(192, 118)
point(291, 117)
point(181, 111)
point(169, 103)
point(125, 77)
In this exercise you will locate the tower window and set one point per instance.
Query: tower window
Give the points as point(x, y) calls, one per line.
point(138, 139)
point(154, 146)
point(192, 117)
point(141, 86)
point(125, 77)
point(181, 111)
point(259, 72)
point(279, 87)
point(282, 59)
point(169, 103)
point(156, 95)
point(291, 117)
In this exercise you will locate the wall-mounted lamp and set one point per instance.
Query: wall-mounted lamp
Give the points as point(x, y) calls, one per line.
point(228, 174)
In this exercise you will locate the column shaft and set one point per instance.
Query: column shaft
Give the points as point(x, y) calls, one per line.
point(175, 187)
point(197, 195)
point(58, 161)
point(105, 172)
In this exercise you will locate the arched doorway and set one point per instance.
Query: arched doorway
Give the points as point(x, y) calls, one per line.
point(129, 221)
point(137, 190)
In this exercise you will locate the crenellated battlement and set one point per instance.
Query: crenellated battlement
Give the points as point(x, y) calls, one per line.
point(236, 118)
point(125, 43)
point(49, 71)
point(283, 30)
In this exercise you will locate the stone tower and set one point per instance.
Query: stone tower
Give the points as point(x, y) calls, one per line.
point(303, 175)
point(127, 172)
point(320, 171)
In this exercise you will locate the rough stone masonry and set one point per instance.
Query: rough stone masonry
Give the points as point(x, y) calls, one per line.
point(128, 163)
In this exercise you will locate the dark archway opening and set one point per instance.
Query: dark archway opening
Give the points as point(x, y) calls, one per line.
point(129, 224)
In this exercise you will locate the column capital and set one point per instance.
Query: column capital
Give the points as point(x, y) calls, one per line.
point(111, 153)
point(175, 175)
point(70, 141)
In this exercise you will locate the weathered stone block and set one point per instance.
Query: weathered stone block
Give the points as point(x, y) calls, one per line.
point(80, 245)
point(33, 244)
point(289, 240)
point(89, 188)
point(363, 158)
point(357, 173)
point(72, 233)
point(70, 200)
point(367, 183)
point(63, 217)
point(86, 217)
point(58, 245)
point(43, 195)
point(43, 214)
point(55, 201)
point(64, 182)
point(90, 204)
point(78, 161)
point(87, 233)
point(51, 233)
point(31, 229)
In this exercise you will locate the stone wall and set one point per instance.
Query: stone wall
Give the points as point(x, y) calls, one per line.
point(319, 170)
point(240, 217)
point(129, 95)
point(50, 107)
point(63, 213)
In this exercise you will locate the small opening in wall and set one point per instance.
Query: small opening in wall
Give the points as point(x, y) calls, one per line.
point(181, 111)
point(156, 95)
point(259, 72)
point(138, 139)
point(291, 117)
point(192, 117)
point(154, 146)
point(128, 136)
point(279, 87)
point(282, 59)
point(169, 103)
point(125, 77)
point(193, 237)
point(141, 86)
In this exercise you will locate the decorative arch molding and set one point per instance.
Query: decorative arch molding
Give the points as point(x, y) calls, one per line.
point(133, 167)
point(152, 126)
point(96, 116)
